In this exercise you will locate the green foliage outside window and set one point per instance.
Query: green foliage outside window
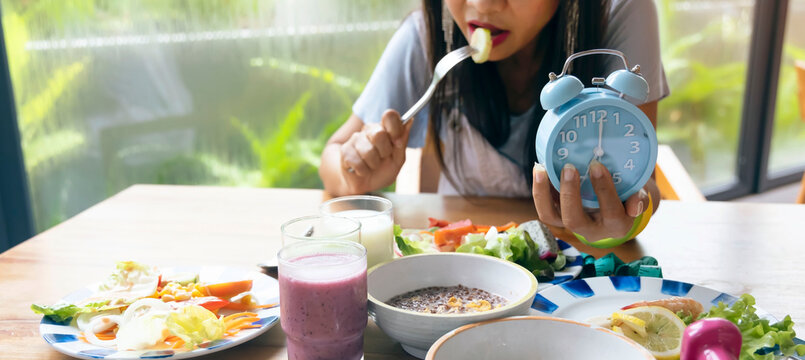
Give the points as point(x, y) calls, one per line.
point(260, 110)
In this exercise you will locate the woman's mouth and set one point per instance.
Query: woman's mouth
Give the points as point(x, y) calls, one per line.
point(498, 35)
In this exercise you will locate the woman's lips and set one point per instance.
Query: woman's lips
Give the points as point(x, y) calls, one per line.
point(498, 35)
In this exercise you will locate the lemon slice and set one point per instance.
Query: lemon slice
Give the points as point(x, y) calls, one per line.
point(663, 331)
point(482, 42)
point(634, 323)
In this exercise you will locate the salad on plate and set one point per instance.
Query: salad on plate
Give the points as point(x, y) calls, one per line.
point(140, 307)
point(659, 326)
point(530, 244)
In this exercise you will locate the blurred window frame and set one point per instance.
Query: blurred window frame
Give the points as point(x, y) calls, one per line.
point(16, 223)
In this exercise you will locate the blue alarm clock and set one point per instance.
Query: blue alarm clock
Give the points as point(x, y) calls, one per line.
point(582, 124)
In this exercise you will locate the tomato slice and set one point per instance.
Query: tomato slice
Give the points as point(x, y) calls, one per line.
point(459, 224)
point(432, 222)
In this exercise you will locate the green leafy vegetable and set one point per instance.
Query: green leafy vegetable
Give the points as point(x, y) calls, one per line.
point(686, 317)
point(560, 262)
point(195, 325)
point(64, 312)
point(757, 333)
point(408, 246)
point(514, 245)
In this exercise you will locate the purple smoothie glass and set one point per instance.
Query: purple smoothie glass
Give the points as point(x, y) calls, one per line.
point(323, 299)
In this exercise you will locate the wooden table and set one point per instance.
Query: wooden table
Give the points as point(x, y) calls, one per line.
point(733, 247)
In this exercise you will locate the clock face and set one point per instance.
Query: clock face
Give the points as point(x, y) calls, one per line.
point(610, 134)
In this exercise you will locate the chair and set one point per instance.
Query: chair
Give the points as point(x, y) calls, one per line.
point(800, 67)
point(672, 178)
point(417, 174)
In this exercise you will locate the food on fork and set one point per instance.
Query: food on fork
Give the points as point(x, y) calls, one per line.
point(481, 41)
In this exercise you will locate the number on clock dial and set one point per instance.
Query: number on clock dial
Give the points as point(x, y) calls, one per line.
point(622, 139)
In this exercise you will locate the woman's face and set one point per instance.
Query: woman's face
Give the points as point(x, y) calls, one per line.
point(512, 23)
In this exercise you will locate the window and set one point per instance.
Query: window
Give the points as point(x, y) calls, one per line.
point(240, 93)
point(788, 136)
point(705, 47)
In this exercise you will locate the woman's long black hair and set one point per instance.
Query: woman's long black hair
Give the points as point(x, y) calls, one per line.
point(478, 90)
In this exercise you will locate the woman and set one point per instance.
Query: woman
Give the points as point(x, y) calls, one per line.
point(484, 117)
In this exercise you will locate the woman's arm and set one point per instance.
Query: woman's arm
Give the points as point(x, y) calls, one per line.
point(650, 109)
point(360, 158)
point(330, 169)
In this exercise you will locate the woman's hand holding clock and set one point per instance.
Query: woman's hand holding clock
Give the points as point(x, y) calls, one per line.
point(620, 178)
point(563, 209)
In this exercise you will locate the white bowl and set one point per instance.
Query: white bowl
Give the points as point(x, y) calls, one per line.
point(415, 331)
point(535, 337)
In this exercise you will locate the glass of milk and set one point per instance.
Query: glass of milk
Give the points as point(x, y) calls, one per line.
point(321, 227)
point(377, 223)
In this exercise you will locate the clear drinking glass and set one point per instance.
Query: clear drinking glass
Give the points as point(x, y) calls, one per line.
point(377, 223)
point(323, 299)
point(321, 227)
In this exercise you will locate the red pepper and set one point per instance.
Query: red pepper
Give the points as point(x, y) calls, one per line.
point(432, 222)
point(211, 303)
point(459, 224)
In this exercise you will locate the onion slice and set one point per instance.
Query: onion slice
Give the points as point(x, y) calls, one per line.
point(102, 320)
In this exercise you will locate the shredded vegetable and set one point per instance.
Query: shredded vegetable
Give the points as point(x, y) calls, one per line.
point(136, 308)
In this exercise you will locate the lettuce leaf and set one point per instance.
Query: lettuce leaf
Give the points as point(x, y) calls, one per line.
point(63, 312)
point(408, 246)
point(474, 244)
point(760, 337)
point(514, 245)
point(195, 325)
point(499, 245)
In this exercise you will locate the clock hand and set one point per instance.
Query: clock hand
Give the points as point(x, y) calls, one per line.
point(587, 173)
point(599, 151)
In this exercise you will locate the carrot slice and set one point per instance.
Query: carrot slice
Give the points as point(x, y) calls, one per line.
point(508, 226)
point(452, 234)
point(237, 315)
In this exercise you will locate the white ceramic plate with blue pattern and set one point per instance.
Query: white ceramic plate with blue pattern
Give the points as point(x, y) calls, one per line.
point(583, 299)
point(592, 297)
point(64, 337)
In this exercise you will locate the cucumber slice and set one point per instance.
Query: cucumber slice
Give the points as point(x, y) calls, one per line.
point(181, 278)
point(482, 42)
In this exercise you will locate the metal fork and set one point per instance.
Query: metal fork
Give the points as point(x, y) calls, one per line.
point(442, 67)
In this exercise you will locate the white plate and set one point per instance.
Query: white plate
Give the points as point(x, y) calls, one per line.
point(64, 337)
point(586, 298)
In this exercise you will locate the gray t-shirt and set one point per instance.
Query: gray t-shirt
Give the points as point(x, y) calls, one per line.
point(403, 74)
